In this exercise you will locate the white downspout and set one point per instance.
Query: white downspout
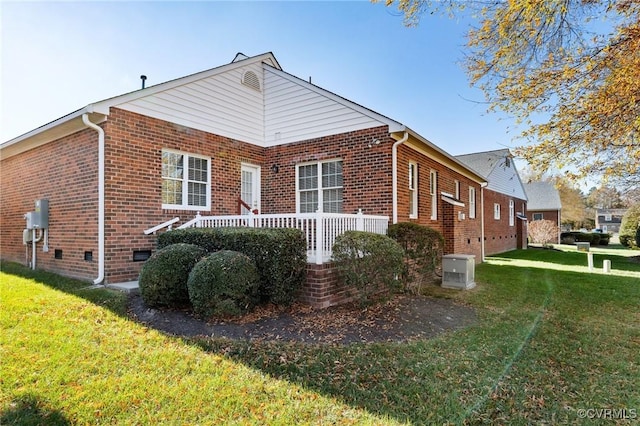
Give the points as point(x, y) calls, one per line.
point(85, 120)
point(394, 168)
point(482, 221)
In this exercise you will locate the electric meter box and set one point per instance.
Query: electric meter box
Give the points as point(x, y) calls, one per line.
point(40, 218)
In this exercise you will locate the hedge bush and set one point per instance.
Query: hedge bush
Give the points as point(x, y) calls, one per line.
point(163, 277)
point(280, 254)
point(223, 283)
point(625, 240)
point(594, 238)
point(368, 263)
point(423, 248)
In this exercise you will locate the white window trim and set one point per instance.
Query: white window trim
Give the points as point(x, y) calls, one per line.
point(319, 188)
point(472, 202)
point(496, 211)
point(537, 216)
point(456, 192)
point(185, 183)
point(413, 190)
point(512, 213)
point(433, 189)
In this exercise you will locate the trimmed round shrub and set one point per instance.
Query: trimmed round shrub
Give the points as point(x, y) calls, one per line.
point(163, 278)
point(280, 254)
point(223, 283)
point(369, 263)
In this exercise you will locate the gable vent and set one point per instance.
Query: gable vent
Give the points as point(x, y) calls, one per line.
point(250, 79)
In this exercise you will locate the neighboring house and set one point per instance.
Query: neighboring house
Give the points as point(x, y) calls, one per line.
point(245, 135)
point(544, 203)
point(504, 200)
point(609, 220)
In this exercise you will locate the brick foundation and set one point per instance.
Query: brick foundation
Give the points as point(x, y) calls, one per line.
point(322, 288)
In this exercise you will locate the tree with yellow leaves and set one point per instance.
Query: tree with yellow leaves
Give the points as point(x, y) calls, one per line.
point(568, 70)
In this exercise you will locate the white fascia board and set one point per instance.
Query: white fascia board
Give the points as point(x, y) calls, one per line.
point(54, 130)
point(394, 126)
point(459, 166)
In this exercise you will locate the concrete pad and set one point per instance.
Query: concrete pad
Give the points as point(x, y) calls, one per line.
point(127, 287)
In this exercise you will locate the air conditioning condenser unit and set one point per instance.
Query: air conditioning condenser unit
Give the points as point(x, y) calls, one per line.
point(458, 271)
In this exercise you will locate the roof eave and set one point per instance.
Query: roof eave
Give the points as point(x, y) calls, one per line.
point(63, 126)
point(457, 164)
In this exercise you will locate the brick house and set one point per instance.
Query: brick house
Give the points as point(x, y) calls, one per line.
point(504, 200)
point(544, 203)
point(245, 134)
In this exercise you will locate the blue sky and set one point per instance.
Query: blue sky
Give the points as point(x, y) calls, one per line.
point(60, 56)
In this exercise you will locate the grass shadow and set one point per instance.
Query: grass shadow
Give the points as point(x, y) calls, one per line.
point(29, 410)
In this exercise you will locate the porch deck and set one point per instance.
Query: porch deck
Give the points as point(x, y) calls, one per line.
point(320, 229)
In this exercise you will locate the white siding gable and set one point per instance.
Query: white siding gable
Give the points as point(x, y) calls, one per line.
point(269, 108)
point(218, 104)
point(286, 109)
point(499, 169)
point(296, 110)
point(505, 179)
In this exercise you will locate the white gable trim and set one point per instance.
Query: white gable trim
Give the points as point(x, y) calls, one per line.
point(103, 106)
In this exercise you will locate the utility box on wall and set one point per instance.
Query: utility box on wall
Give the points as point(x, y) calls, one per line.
point(458, 271)
point(41, 217)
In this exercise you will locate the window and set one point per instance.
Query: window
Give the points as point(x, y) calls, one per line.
point(433, 189)
point(456, 184)
point(413, 190)
point(607, 217)
point(186, 191)
point(496, 211)
point(512, 212)
point(538, 216)
point(472, 202)
point(320, 184)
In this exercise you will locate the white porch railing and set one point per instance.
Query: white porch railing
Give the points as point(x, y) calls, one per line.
point(166, 224)
point(320, 229)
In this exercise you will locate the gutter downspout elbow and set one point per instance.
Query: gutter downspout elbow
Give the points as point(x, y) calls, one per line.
point(394, 168)
point(85, 120)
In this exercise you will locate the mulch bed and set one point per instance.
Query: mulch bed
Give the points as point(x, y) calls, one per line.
point(403, 318)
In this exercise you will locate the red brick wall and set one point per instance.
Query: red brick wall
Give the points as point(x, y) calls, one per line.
point(499, 235)
point(366, 171)
point(462, 236)
point(546, 215)
point(322, 288)
point(66, 173)
point(134, 181)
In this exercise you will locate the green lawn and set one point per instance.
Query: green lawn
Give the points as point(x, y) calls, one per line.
point(554, 342)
